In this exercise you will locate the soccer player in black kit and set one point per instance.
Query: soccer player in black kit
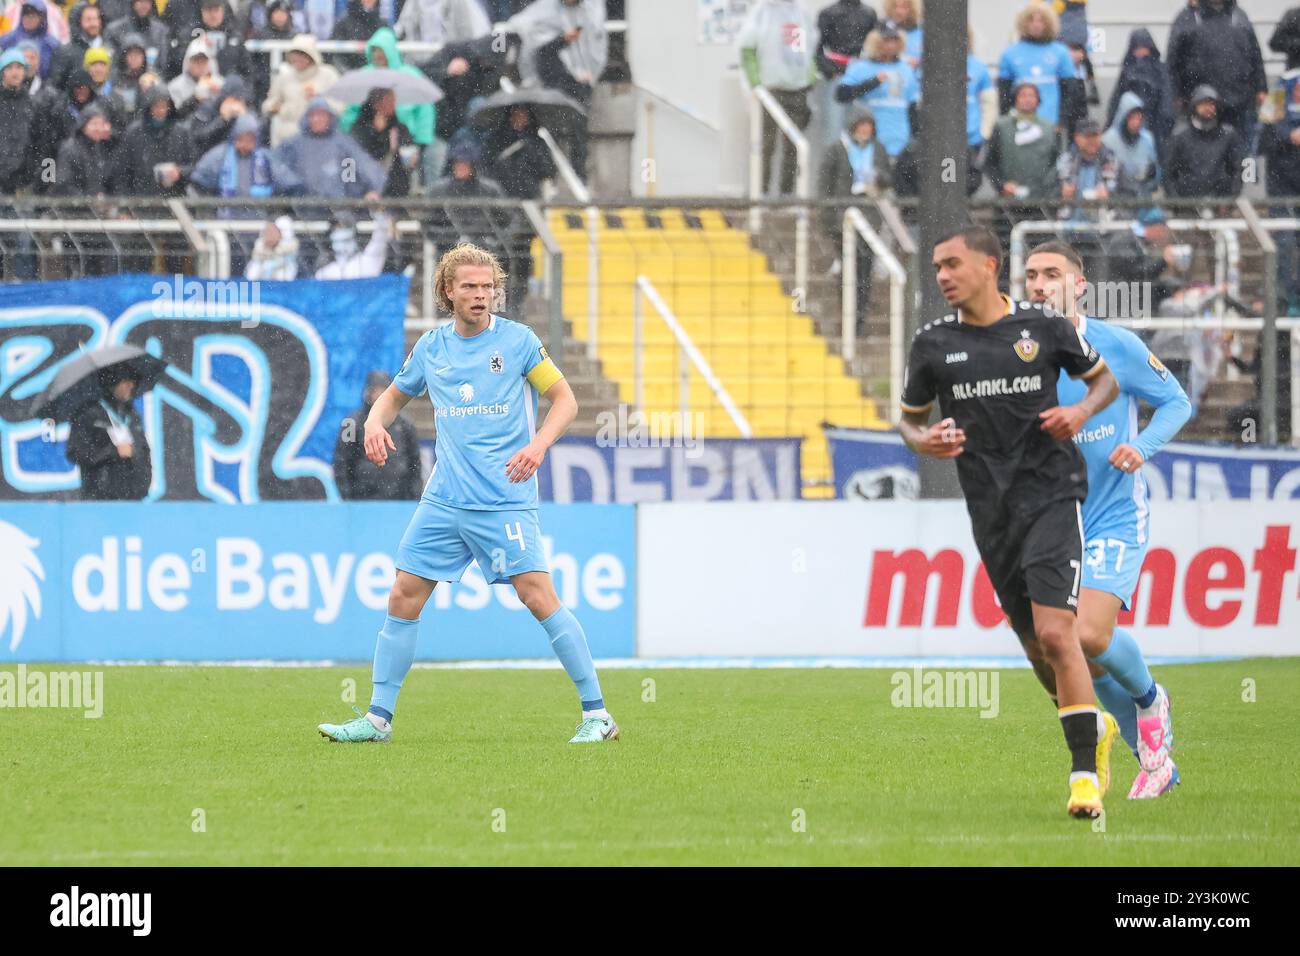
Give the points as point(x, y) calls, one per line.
point(993, 364)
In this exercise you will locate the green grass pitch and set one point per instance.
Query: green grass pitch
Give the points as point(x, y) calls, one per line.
point(721, 767)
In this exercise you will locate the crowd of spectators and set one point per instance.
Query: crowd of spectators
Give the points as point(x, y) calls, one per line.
point(112, 99)
point(1191, 121)
point(1180, 125)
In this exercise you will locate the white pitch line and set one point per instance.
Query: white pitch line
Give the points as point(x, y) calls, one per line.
point(654, 663)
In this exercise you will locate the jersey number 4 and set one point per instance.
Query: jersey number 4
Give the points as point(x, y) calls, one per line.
point(516, 535)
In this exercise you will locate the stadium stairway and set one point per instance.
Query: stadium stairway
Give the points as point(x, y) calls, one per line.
point(780, 373)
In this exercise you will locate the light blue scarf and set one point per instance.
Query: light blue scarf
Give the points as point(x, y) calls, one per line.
point(862, 160)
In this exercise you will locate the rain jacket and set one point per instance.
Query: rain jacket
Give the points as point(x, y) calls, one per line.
point(18, 119)
point(542, 21)
point(1139, 167)
point(319, 160)
point(1148, 78)
point(71, 55)
point(147, 144)
point(280, 263)
point(184, 87)
point(157, 40)
point(105, 475)
point(1204, 159)
point(87, 168)
point(290, 90)
point(1220, 49)
point(223, 172)
point(41, 36)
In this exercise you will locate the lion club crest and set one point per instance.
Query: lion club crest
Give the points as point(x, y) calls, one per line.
point(1026, 347)
point(496, 363)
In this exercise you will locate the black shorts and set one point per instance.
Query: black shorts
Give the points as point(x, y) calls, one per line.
point(1036, 559)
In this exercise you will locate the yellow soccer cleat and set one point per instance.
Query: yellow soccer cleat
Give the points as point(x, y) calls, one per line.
point(1104, 744)
point(1085, 800)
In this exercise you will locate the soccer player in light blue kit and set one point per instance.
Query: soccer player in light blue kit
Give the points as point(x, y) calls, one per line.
point(483, 374)
point(1115, 513)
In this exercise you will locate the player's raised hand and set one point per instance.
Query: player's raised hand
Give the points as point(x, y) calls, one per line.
point(943, 439)
point(378, 443)
point(1126, 458)
point(525, 462)
point(1063, 422)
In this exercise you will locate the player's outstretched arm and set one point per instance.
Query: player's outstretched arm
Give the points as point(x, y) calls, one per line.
point(378, 442)
point(564, 408)
point(940, 440)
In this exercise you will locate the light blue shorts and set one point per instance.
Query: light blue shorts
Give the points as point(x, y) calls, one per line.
point(441, 542)
point(1112, 558)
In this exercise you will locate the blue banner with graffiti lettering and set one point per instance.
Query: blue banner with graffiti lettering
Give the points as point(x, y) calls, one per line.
point(281, 581)
point(260, 375)
point(876, 464)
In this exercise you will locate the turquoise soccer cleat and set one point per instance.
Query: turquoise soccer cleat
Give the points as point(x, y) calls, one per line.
point(594, 730)
point(359, 730)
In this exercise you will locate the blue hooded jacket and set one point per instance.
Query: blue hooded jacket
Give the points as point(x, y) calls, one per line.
point(218, 171)
point(40, 36)
point(1139, 168)
point(322, 160)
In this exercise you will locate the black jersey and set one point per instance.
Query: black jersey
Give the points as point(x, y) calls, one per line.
point(993, 381)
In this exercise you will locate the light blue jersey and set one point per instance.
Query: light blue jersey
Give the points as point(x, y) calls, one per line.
point(1044, 65)
point(889, 101)
point(977, 81)
point(484, 393)
point(1115, 513)
point(913, 47)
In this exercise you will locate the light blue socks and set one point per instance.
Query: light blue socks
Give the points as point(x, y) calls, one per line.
point(394, 653)
point(570, 645)
point(1128, 683)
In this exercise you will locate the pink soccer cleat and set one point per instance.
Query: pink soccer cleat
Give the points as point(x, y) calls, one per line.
point(1155, 783)
point(1155, 734)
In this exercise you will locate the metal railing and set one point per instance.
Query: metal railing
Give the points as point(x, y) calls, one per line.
point(276, 49)
point(1227, 251)
point(688, 355)
point(1237, 324)
point(856, 226)
point(719, 284)
point(552, 278)
point(760, 101)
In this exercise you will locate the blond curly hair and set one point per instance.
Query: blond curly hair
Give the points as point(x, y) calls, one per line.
point(467, 254)
point(1044, 10)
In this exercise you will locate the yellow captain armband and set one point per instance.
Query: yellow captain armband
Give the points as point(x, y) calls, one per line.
point(543, 375)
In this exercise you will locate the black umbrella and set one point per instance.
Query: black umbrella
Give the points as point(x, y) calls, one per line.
point(551, 109)
point(78, 382)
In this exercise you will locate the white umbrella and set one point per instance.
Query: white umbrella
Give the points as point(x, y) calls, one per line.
point(354, 86)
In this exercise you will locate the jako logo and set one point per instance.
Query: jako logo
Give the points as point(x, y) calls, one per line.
point(102, 909)
point(467, 392)
point(20, 576)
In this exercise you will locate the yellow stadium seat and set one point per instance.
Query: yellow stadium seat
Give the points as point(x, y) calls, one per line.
point(768, 357)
